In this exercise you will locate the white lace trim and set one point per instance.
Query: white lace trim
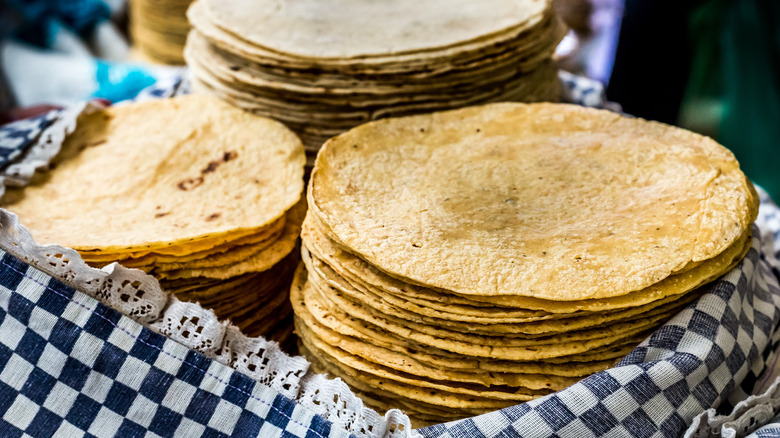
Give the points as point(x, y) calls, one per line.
point(746, 417)
point(139, 296)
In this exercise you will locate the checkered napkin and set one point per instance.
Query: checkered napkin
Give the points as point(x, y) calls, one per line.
point(584, 91)
point(30, 144)
point(16, 138)
point(770, 431)
point(72, 367)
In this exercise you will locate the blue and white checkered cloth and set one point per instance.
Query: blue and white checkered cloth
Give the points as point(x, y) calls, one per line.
point(16, 138)
point(70, 366)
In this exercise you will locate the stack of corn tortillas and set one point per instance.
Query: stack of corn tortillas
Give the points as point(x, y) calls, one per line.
point(325, 67)
point(464, 261)
point(202, 195)
point(159, 29)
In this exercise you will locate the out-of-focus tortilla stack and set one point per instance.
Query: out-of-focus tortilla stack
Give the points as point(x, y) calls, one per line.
point(159, 29)
point(464, 261)
point(202, 195)
point(325, 67)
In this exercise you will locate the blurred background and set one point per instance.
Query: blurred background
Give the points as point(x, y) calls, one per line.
point(712, 66)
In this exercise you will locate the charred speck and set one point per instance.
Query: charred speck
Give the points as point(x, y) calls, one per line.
point(211, 167)
point(190, 183)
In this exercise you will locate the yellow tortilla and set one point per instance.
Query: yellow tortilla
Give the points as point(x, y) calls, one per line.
point(549, 201)
point(149, 175)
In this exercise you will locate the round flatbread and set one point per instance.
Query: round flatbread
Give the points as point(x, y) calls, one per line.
point(164, 172)
point(549, 201)
point(314, 29)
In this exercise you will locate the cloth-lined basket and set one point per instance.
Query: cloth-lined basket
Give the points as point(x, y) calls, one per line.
point(79, 359)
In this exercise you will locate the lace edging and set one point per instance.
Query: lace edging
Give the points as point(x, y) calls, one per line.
point(746, 417)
